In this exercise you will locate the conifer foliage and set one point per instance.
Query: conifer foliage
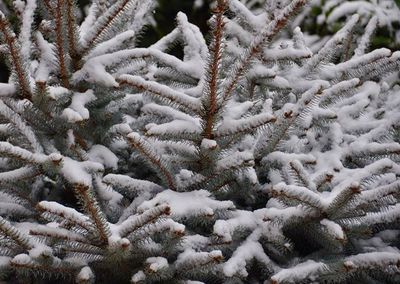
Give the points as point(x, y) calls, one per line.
point(250, 159)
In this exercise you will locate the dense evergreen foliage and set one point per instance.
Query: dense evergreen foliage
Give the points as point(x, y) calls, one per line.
point(241, 156)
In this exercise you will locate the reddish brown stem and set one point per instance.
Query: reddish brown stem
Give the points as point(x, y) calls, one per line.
point(214, 70)
point(13, 47)
point(60, 43)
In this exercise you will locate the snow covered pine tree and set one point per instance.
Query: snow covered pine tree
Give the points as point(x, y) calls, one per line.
point(250, 160)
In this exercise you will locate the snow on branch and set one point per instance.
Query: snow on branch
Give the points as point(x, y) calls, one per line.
point(138, 221)
point(309, 270)
point(13, 233)
point(266, 35)
point(235, 127)
point(160, 91)
point(17, 63)
point(154, 159)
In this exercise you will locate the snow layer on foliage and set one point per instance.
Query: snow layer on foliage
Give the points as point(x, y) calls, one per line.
point(57, 92)
point(103, 155)
point(25, 33)
point(138, 277)
point(380, 242)
point(307, 270)
point(208, 144)
point(255, 21)
point(187, 204)
point(68, 213)
point(235, 160)
point(88, 21)
point(248, 250)
point(77, 111)
point(94, 69)
point(195, 48)
point(242, 219)
point(167, 111)
point(372, 259)
point(228, 126)
point(385, 13)
point(40, 251)
point(283, 215)
point(4, 261)
point(129, 183)
point(190, 257)
point(22, 259)
point(173, 128)
point(333, 228)
point(111, 45)
point(79, 172)
point(12, 207)
point(391, 214)
point(85, 274)
point(157, 263)
point(7, 89)
point(48, 60)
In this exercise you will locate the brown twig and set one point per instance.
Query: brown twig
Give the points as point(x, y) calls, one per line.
point(212, 107)
point(60, 43)
point(13, 46)
point(155, 160)
point(72, 36)
point(92, 209)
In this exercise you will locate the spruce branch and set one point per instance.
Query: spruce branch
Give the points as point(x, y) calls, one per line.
point(16, 61)
point(73, 42)
point(343, 200)
point(244, 125)
point(106, 21)
point(57, 234)
point(22, 173)
point(91, 207)
point(60, 45)
point(210, 100)
point(367, 36)
point(299, 194)
point(256, 46)
point(25, 264)
point(22, 125)
point(19, 153)
point(13, 233)
point(160, 91)
point(134, 223)
point(145, 149)
point(65, 213)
